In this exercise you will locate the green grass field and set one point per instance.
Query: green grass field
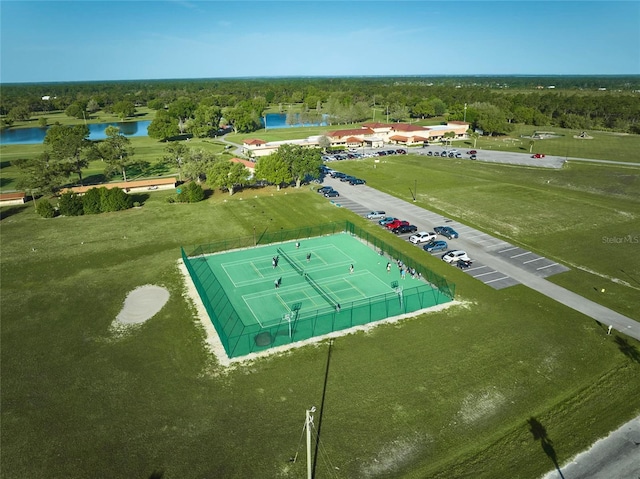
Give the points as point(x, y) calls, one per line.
point(442, 395)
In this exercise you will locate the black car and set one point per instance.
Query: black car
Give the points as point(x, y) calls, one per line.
point(324, 189)
point(347, 178)
point(357, 181)
point(446, 231)
point(402, 229)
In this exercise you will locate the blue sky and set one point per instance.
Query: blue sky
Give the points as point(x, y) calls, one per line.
point(121, 40)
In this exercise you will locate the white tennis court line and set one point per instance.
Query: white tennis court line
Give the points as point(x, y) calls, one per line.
point(355, 287)
point(256, 269)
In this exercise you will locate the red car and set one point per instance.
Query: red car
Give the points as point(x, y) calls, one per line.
point(472, 152)
point(396, 224)
point(538, 155)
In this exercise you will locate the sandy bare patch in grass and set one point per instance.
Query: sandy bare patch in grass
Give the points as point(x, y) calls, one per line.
point(142, 304)
point(395, 456)
point(480, 405)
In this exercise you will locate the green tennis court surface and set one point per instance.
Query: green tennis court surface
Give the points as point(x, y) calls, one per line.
point(266, 296)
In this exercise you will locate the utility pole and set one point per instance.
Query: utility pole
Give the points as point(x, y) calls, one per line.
point(308, 423)
point(465, 113)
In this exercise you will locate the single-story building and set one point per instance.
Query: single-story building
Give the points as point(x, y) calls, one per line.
point(17, 198)
point(249, 165)
point(373, 135)
point(166, 183)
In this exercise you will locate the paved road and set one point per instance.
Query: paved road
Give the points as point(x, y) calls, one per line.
point(363, 198)
point(615, 457)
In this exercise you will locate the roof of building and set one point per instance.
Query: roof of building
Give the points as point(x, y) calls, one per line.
point(352, 131)
point(249, 164)
point(254, 141)
point(126, 184)
point(407, 127)
point(398, 138)
point(12, 196)
point(353, 139)
point(377, 125)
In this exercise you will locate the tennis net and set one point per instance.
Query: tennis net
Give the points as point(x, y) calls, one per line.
point(321, 291)
point(293, 264)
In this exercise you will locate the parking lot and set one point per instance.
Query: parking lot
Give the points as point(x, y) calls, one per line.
point(480, 246)
point(493, 156)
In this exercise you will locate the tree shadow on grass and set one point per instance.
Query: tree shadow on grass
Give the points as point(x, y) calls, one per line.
point(629, 350)
point(96, 179)
point(139, 197)
point(11, 210)
point(156, 475)
point(540, 434)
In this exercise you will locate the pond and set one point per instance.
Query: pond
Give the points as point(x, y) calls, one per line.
point(24, 136)
point(279, 120)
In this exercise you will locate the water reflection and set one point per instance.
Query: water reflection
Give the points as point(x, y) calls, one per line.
point(23, 136)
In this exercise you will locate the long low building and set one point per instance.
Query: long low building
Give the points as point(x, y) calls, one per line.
point(372, 135)
point(130, 186)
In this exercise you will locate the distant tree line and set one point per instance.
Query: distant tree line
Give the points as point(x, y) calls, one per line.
point(197, 106)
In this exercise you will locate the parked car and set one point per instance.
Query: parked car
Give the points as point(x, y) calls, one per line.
point(423, 237)
point(331, 194)
point(455, 256)
point(537, 155)
point(446, 231)
point(347, 178)
point(434, 246)
point(404, 229)
point(374, 215)
point(396, 224)
point(458, 155)
point(472, 152)
point(443, 154)
point(473, 157)
point(357, 181)
point(401, 151)
point(337, 174)
point(385, 221)
point(324, 189)
point(429, 153)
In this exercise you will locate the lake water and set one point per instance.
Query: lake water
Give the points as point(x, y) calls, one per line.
point(24, 136)
point(279, 120)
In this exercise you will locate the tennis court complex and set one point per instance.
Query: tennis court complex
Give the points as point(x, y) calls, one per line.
point(269, 295)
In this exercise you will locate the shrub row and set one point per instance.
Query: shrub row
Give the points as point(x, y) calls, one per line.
point(94, 201)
